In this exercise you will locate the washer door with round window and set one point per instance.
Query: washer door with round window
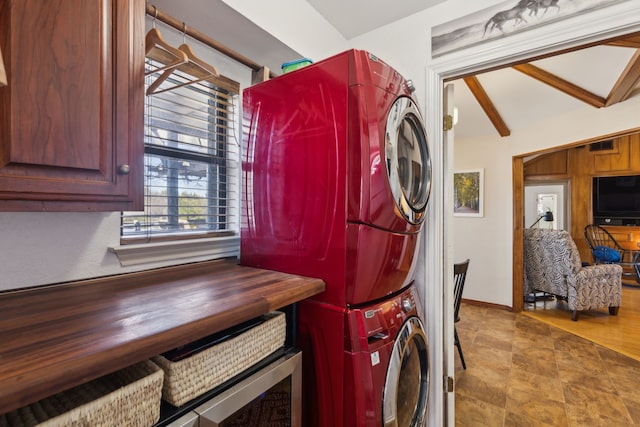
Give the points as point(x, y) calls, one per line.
point(406, 387)
point(407, 160)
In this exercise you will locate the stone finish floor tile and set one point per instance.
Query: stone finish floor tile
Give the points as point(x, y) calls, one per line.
point(634, 410)
point(613, 356)
point(531, 405)
point(482, 385)
point(472, 412)
point(523, 380)
point(522, 372)
point(539, 361)
point(591, 404)
point(488, 357)
point(494, 339)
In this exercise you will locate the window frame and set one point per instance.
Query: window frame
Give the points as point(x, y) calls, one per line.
point(197, 244)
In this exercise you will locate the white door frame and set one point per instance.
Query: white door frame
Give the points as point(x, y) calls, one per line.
point(593, 27)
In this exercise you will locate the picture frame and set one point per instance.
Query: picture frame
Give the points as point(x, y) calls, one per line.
point(468, 193)
point(504, 19)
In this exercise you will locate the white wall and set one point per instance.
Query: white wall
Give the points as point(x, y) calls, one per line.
point(295, 23)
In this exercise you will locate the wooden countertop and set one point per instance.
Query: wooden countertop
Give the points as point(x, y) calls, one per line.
point(56, 337)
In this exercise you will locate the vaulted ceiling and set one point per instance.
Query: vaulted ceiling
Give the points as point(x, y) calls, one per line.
point(497, 102)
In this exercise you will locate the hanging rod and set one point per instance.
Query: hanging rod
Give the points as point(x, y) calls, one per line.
point(154, 12)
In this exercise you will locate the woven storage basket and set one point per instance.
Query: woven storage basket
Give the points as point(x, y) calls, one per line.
point(129, 397)
point(188, 378)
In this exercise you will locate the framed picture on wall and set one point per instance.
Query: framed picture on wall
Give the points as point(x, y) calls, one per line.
point(468, 193)
point(504, 19)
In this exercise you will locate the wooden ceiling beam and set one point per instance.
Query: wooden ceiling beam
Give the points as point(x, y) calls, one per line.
point(561, 84)
point(627, 81)
point(485, 102)
point(633, 41)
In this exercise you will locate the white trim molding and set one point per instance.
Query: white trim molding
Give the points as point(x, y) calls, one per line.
point(582, 29)
point(188, 250)
point(433, 254)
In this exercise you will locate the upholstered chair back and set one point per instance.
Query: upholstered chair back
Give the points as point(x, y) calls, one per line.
point(550, 257)
point(552, 265)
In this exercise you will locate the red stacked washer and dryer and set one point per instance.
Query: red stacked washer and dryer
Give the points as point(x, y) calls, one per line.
point(336, 179)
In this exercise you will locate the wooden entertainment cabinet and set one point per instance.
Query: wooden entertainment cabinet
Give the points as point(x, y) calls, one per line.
point(626, 235)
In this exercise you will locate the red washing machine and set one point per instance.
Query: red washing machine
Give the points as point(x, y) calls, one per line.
point(336, 180)
point(336, 177)
point(367, 366)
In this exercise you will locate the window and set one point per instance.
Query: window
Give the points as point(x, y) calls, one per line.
point(191, 162)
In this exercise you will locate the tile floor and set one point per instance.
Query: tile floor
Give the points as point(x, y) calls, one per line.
point(522, 372)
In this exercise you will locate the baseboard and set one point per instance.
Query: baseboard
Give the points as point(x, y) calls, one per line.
point(487, 304)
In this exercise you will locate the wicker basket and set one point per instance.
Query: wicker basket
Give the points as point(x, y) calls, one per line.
point(188, 378)
point(129, 397)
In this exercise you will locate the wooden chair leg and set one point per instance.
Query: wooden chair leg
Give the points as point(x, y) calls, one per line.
point(613, 311)
point(457, 342)
point(574, 315)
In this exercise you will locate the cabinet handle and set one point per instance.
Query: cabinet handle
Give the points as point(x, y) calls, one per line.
point(124, 169)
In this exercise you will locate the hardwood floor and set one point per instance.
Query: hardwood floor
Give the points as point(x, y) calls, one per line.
point(620, 333)
point(524, 372)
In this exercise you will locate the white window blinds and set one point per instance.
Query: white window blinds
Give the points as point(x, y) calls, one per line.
point(191, 162)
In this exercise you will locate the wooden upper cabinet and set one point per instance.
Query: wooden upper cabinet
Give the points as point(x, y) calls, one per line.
point(71, 116)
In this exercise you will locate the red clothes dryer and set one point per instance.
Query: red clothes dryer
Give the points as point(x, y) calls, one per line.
point(366, 366)
point(336, 177)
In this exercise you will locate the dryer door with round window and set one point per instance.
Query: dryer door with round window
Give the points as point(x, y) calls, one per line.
point(407, 160)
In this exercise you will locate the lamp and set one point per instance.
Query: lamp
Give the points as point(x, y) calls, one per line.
point(547, 216)
point(533, 297)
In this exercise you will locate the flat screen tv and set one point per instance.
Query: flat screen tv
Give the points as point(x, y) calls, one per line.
point(617, 198)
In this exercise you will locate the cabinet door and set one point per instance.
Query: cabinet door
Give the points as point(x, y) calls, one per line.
point(71, 117)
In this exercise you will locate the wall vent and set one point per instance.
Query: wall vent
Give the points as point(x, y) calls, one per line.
point(602, 145)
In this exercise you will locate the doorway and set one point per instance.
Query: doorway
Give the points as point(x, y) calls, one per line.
point(540, 198)
point(518, 221)
point(535, 44)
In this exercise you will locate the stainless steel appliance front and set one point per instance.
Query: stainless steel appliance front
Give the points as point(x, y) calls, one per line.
point(275, 389)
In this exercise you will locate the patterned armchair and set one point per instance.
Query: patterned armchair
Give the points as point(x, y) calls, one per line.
point(552, 264)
